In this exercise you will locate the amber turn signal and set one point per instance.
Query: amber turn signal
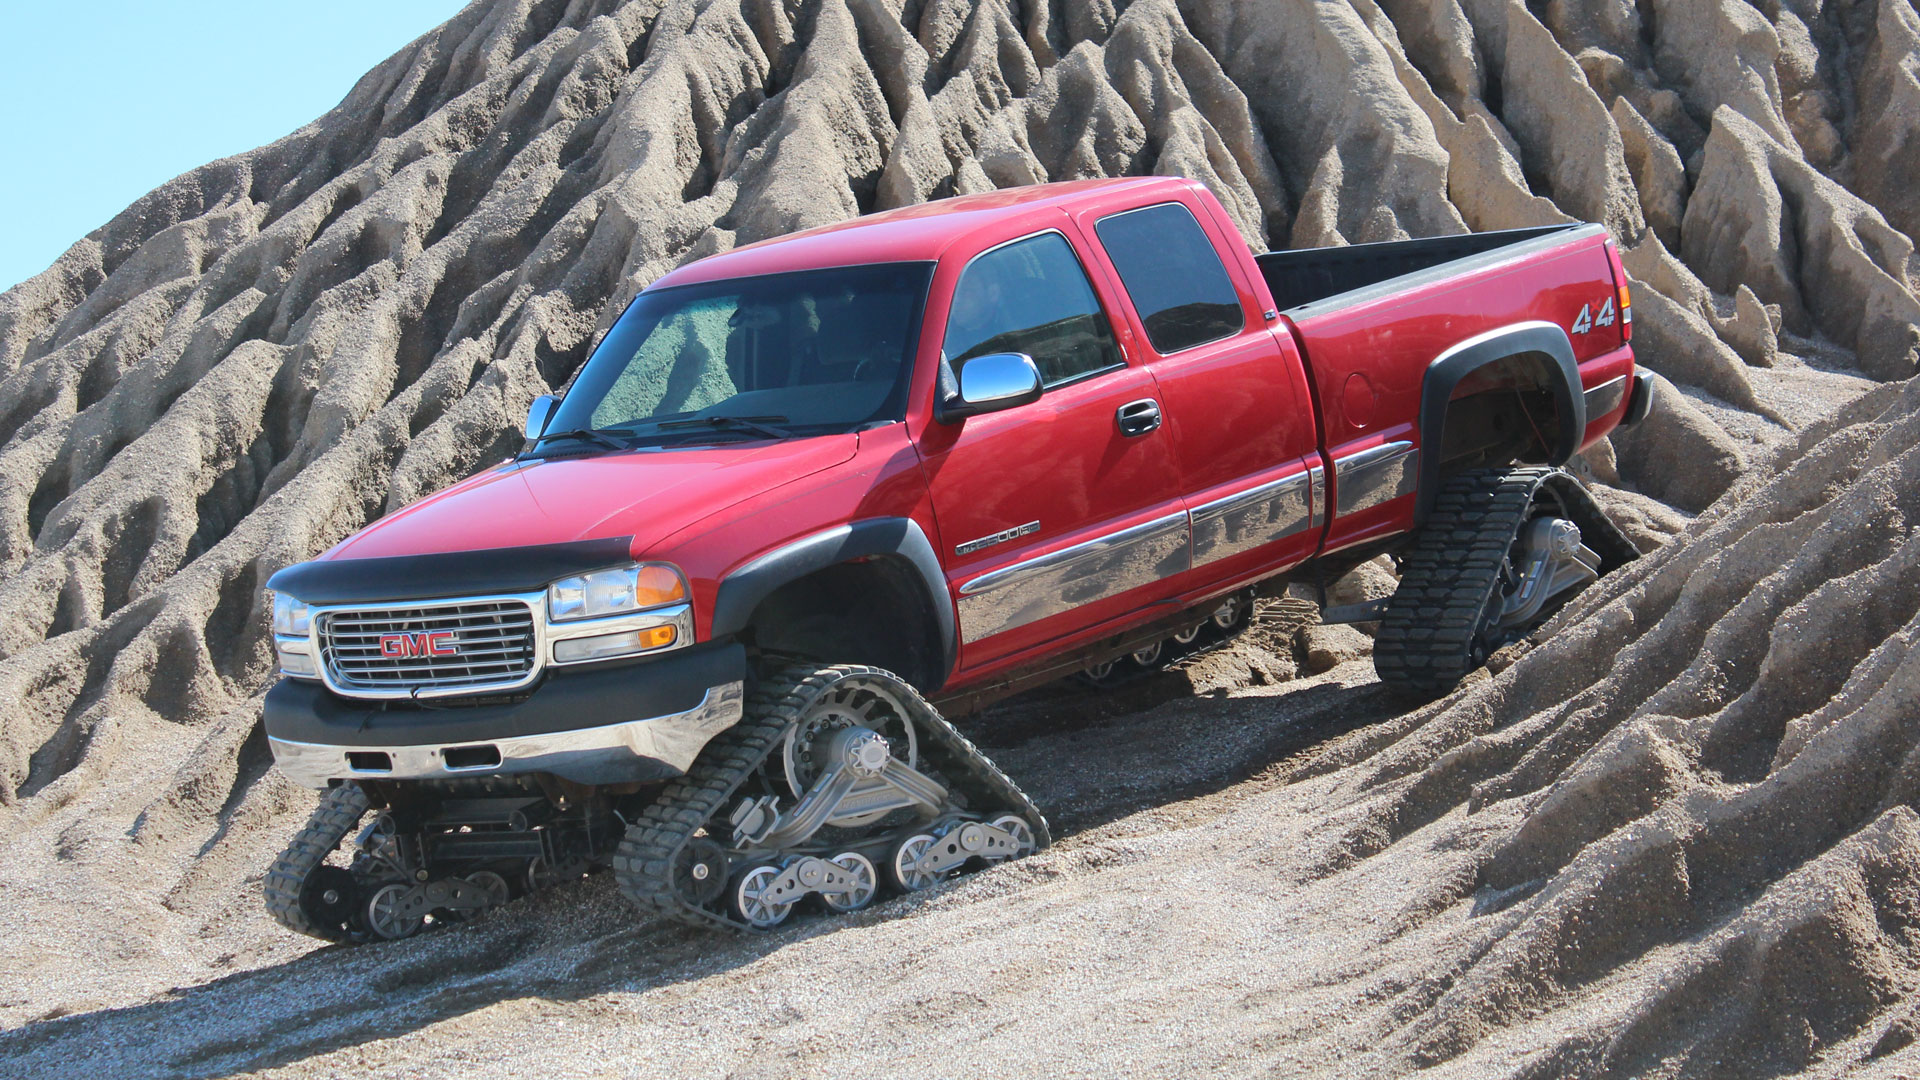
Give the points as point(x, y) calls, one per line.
point(655, 585)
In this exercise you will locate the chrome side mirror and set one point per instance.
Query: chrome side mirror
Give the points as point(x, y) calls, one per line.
point(990, 383)
point(539, 413)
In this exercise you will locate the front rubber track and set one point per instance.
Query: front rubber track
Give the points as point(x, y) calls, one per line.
point(340, 810)
point(643, 863)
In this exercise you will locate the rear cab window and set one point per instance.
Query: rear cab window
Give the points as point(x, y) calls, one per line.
point(1032, 296)
point(1173, 275)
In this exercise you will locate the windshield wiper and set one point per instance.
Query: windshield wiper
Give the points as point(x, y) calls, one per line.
point(592, 435)
point(761, 425)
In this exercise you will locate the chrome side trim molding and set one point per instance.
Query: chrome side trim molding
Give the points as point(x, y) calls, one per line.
point(676, 739)
point(1000, 537)
point(1317, 507)
point(1371, 455)
point(1250, 519)
point(1606, 397)
point(1375, 476)
point(1059, 581)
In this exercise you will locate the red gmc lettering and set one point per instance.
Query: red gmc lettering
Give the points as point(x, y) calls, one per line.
point(405, 646)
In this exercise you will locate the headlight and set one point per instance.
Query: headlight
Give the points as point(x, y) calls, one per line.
point(291, 640)
point(290, 616)
point(611, 592)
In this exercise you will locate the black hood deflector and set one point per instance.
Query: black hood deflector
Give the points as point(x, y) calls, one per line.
point(448, 573)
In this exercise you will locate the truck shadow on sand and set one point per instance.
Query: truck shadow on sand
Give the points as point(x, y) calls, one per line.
point(581, 940)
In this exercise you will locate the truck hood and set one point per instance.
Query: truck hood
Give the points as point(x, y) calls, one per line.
point(646, 494)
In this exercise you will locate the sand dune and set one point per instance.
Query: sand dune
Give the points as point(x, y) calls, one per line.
point(1674, 838)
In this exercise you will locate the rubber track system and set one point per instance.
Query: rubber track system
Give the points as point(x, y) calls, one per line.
point(1451, 574)
point(339, 811)
point(643, 864)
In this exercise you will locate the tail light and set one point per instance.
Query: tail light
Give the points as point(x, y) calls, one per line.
point(1626, 294)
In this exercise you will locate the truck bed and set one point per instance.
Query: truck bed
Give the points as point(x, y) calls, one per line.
point(1309, 275)
point(1370, 319)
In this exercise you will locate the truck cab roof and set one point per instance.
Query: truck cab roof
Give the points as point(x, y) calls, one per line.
point(918, 233)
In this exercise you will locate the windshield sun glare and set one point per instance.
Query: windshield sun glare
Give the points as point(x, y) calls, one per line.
point(808, 352)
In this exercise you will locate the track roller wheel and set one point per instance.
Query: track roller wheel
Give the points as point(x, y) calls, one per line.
point(746, 897)
point(900, 869)
point(700, 870)
point(862, 893)
point(492, 884)
point(1233, 614)
point(497, 890)
point(388, 915)
point(1102, 675)
point(1021, 831)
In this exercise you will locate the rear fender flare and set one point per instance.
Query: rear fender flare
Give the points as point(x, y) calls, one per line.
point(1543, 339)
point(742, 591)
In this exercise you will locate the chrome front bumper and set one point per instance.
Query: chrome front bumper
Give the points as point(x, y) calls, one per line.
point(650, 748)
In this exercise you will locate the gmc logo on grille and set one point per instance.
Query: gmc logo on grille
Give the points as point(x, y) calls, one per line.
point(407, 646)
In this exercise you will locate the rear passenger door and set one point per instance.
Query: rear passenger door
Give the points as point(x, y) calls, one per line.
point(1234, 391)
point(1055, 516)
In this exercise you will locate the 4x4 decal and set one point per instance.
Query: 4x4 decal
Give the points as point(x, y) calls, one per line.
point(1588, 321)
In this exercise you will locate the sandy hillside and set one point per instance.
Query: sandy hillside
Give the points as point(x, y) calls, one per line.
point(1675, 838)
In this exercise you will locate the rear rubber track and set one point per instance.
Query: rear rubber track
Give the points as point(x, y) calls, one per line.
point(643, 864)
point(1430, 636)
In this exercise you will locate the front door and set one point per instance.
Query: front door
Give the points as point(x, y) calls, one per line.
point(1063, 513)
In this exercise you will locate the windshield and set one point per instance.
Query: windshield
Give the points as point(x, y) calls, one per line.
point(800, 353)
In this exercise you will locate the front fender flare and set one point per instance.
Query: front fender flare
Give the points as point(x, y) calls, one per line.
point(742, 591)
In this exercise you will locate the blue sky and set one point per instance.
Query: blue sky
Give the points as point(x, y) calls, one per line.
point(103, 101)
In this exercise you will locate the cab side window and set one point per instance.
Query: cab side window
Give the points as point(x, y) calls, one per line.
point(1033, 297)
point(1173, 275)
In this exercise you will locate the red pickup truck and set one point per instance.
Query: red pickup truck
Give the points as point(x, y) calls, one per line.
point(808, 493)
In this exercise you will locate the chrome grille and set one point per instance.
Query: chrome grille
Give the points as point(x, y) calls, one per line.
point(493, 639)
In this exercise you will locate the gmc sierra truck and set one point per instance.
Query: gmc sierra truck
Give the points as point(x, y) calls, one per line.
point(809, 494)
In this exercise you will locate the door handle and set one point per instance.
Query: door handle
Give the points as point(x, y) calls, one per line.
point(1138, 417)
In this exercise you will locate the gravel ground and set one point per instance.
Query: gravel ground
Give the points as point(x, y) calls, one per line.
point(1173, 905)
